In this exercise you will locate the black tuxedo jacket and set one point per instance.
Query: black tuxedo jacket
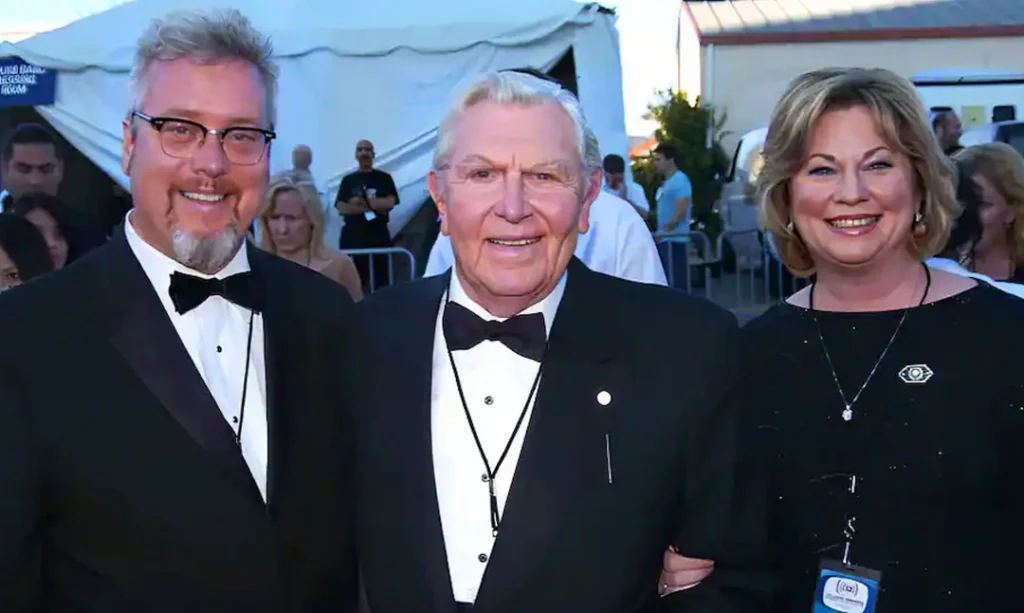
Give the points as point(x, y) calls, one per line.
point(116, 499)
point(570, 541)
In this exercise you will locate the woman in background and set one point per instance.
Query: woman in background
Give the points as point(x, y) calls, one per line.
point(292, 226)
point(23, 252)
point(885, 398)
point(997, 172)
point(46, 213)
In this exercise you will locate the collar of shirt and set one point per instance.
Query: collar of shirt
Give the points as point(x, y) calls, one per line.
point(158, 267)
point(548, 306)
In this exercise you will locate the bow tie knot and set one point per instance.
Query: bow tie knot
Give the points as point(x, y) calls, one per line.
point(523, 334)
point(188, 292)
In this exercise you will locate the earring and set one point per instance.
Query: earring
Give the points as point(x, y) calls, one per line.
point(790, 226)
point(918, 218)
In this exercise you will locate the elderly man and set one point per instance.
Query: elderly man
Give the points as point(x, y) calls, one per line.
point(525, 438)
point(171, 443)
point(302, 159)
point(617, 243)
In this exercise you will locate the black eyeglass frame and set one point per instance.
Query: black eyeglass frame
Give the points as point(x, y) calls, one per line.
point(158, 123)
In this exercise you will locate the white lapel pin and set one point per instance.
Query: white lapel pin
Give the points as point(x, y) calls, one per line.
point(604, 398)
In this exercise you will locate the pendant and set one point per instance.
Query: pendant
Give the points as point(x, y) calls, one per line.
point(847, 414)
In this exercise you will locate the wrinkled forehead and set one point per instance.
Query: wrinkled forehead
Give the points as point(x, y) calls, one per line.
point(218, 93)
point(516, 135)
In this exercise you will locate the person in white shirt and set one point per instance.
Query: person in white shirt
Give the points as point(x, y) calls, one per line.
point(525, 429)
point(616, 182)
point(617, 243)
point(169, 420)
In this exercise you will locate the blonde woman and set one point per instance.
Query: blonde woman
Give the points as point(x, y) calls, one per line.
point(997, 171)
point(884, 399)
point(292, 226)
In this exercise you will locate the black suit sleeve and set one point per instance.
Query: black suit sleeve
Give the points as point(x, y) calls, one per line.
point(722, 507)
point(20, 507)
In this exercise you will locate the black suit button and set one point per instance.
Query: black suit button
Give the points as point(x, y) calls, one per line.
point(482, 557)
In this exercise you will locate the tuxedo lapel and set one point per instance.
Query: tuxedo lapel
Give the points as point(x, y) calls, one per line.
point(414, 340)
point(275, 343)
point(147, 340)
point(560, 447)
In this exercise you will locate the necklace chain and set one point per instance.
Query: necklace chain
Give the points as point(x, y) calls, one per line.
point(848, 404)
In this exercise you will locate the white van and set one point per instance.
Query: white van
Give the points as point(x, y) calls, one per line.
point(736, 205)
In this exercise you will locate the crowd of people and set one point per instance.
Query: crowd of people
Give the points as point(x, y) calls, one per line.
point(190, 421)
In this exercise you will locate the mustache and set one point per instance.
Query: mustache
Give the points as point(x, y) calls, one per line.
point(218, 186)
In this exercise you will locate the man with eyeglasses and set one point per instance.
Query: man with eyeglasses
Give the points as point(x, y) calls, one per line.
point(170, 435)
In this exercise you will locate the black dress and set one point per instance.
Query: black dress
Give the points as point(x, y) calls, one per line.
point(939, 500)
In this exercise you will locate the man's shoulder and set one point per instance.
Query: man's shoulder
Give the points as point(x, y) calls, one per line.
point(660, 308)
point(403, 297)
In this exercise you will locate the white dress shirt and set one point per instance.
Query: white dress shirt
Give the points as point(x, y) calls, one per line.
point(215, 335)
point(497, 383)
point(618, 243)
point(635, 194)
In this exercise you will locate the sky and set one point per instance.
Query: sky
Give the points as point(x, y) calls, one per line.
point(647, 34)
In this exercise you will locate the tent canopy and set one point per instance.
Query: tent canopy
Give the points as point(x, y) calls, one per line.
point(384, 70)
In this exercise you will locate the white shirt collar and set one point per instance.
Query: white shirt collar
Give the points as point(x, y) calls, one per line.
point(158, 267)
point(548, 306)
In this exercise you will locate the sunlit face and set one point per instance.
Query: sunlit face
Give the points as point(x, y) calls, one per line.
point(196, 209)
point(996, 215)
point(9, 276)
point(33, 168)
point(56, 242)
point(854, 199)
point(513, 198)
point(290, 228)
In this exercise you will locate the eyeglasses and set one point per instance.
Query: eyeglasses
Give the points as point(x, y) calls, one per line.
point(183, 138)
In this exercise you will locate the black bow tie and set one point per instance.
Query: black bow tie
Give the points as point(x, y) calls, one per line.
point(187, 292)
point(523, 334)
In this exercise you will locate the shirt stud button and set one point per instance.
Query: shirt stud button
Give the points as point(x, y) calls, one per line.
point(489, 400)
point(219, 349)
point(482, 557)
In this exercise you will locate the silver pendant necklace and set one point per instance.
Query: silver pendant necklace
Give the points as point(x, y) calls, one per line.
point(848, 404)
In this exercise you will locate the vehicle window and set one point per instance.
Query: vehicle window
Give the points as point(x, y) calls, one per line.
point(1013, 135)
point(735, 160)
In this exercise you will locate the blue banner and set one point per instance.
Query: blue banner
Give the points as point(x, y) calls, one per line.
point(24, 84)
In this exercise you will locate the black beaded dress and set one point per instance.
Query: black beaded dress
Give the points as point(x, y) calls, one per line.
point(936, 441)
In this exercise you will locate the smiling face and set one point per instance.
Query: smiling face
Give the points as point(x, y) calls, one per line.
point(513, 199)
point(854, 200)
point(196, 209)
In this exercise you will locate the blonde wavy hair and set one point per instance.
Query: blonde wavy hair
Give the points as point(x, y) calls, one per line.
point(1003, 166)
point(904, 124)
point(287, 182)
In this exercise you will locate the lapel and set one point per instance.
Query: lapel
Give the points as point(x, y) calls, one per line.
point(415, 341)
point(564, 428)
point(275, 343)
point(145, 337)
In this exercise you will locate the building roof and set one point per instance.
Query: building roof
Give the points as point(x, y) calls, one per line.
point(752, 21)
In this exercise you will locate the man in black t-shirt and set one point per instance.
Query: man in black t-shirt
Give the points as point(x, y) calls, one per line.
point(365, 199)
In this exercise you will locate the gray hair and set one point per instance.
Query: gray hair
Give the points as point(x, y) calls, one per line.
point(519, 88)
point(207, 37)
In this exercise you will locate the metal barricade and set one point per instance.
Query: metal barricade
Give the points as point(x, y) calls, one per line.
point(371, 256)
point(753, 279)
point(699, 259)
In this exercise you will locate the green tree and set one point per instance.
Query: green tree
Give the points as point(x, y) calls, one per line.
point(687, 125)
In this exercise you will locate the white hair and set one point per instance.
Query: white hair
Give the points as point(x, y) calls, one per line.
point(207, 37)
point(525, 89)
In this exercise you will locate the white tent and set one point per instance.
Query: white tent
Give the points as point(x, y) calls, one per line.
point(383, 70)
